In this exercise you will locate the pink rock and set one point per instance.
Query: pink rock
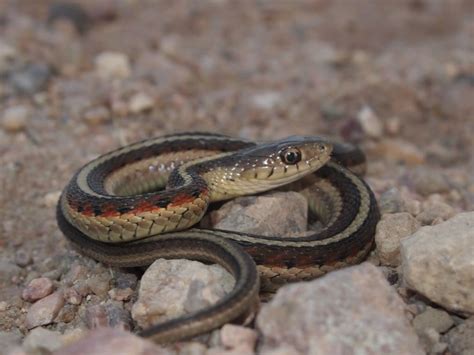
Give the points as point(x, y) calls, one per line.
point(37, 289)
point(45, 310)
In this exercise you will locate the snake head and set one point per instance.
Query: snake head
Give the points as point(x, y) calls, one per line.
point(267, 166)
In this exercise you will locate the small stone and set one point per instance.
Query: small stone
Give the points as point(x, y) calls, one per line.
point(7, 54)
point(428, 181)
point(435, 211)
point(15, 118)
point(239, 339)
point(257, 214)
point(125, 280)
point(70, 12)
point(434, 318)
point(437, 262)
point(391, 201)
point(192, 348)
point(393, 126)
point(171, 288)
point(72, 296)
point(3, 306)
point(113, 65)
point(97, 115)
point(51, 198)
point(45, 310)
point(111, 315)
point(8, 270)
point(370, 123)
point(99, 284)
point(37, 289)
point(391, 229)
point(140, 102)
point(266, 100)
point(355, 309)
point(461, 339)
point(30, 78)
point(41, 340)
point(121, 294)
point(113, 341)
point(23, 258)
point(400, 150)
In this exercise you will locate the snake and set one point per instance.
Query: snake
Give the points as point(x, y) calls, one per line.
point(143, 201)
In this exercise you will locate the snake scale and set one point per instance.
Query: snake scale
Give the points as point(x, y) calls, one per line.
point(139, 203)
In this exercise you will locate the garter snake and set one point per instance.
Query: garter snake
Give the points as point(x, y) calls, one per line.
point(138, 203)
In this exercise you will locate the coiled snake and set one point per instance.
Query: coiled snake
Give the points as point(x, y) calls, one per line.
point(138, 203)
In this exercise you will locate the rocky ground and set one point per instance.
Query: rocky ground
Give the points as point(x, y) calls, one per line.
point(395, 77)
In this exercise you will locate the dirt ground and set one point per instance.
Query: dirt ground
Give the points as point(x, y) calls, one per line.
point(395, 76)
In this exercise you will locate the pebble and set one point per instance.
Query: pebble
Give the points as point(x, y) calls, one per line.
point(437, 262)
point(38, 289)
point(111, 315)
point(51, 198)
point(99, 284)
point(97, 115)
point(461, 338)
point(45, 310)
point(437, 319)
point(8, 270)
point(391, 229)
point(121, 294)
point(266, 100)
point(400, 150)
point(370, 122)
point(435, 211)
point(393, 125)
point(256, 214)
point(171, 288)
point(113, 65)
point(72, 296)
point(7, 54)
point(112, 341)
point(30, 78)
point(15, 118)
point(23, 258)
point(140, 102)
point(391, 201)
point(429, 181)
point(238, 339)
point(125, 280)
point(73, 13)
point(355, 308)
point(41, 340)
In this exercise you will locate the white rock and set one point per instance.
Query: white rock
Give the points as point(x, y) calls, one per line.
point(438, 262)
point(15, 118)
point(113, 65)
point(140, 102)
point(369, 122)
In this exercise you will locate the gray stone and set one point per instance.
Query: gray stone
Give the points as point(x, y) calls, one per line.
point(461, 339)
point(257, 214)
point(435, 211)
point(30, 78)
point(427, 181)
point(438, 262)
point(434, 318)
point(10, 340)
point(391, 229)
point(349, 311)
point(171, 288)
point(15, 118)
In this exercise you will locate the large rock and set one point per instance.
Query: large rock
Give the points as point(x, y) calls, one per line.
point(349, 311)
point(171, 288)
point(438, 262)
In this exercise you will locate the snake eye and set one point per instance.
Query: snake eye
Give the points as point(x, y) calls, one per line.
point(290, 156)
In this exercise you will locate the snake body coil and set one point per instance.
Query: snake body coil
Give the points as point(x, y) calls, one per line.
point(136, 204)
